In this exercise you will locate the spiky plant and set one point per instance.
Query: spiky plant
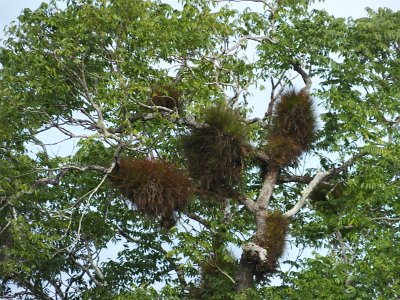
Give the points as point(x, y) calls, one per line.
point(282, 150)
point(216, 153)
point(167, 96)
point(293, 128)
point(157, 188)
point(273, 240)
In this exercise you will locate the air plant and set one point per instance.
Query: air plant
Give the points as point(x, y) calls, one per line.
point(157, 188)
point(215, 153)
point(293, 128)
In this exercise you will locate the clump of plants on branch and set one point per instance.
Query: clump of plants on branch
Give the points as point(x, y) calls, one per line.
point(216, 152)
point(157, 188)
point(293, 128)
point(273, 240)
point(166, 96)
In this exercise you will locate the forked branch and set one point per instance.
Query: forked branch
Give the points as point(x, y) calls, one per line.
point(320, 177)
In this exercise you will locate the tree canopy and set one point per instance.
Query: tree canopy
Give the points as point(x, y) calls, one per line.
point(195, 150)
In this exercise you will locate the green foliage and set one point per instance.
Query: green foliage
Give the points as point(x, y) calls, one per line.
point(217, 273)
point(325, 198)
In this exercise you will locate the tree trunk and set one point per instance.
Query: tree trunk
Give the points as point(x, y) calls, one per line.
point(245, 274)
point(252, 255)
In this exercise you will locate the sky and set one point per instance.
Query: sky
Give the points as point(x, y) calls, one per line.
point(355, 8)
point(11, 9)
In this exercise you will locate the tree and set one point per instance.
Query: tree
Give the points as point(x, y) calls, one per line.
point(169, 173)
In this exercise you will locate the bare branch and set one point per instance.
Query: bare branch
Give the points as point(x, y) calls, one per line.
point(249, 203)
point(95, 267)
point(267, 189)
point(188, 121)
point(246, 38)
point(257, 120)
point(90, 196)
point(274, 96)
point(57, 288)
point(84, 268)
point(198, 219)
point(294, 178)
point(221, 271)
point(306, 77)
point(227, 212)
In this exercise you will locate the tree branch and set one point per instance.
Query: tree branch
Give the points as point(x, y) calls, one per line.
point(306, 77)
point(321, 176)
point(294, 178)
point(248, 203)
point(267, 189)
point(84, 268)
point(198, 219)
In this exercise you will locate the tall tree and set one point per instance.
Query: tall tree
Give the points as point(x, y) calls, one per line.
point(132, 166)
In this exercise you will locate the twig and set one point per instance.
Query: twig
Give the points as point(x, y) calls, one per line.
point(198, 219)
point(222, 271)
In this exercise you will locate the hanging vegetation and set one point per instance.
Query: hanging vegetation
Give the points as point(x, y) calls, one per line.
point(272, 240)
point(293, 128)
point(157, 188)
point(216, 153)
point(167, 96)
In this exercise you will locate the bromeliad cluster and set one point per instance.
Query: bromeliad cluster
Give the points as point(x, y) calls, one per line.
point(293, 128)
point(273, 241)
point(291, 134)
point(157, 188)
point(215, 157)
point(216, 153)
point(166, 96)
